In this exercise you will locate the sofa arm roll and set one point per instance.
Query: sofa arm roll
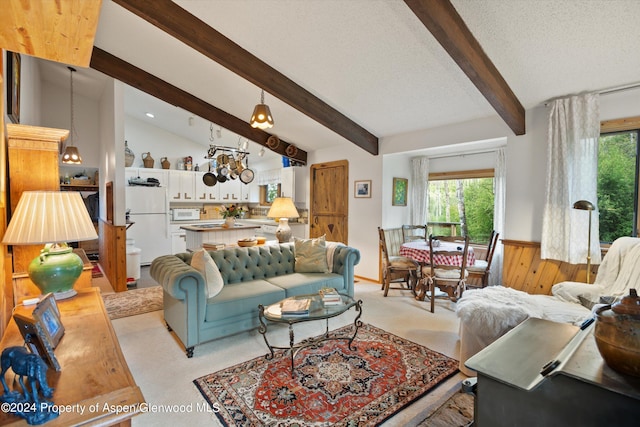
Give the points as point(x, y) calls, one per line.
point(344, 260)
point(172, 274)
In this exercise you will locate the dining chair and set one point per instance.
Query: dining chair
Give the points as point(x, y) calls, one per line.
point(449, 277)
point(482, 267)
point(396, 269)
point(412, 233)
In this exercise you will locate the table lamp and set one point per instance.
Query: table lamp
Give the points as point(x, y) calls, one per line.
point(283, 208)
point(586, 206)
point(52, 218)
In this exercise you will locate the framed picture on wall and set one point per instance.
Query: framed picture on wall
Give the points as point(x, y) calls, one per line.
point(362, 189)
point(400, 187)
point(13, 86)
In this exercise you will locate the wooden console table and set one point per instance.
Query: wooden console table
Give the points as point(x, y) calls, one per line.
point(94, 374)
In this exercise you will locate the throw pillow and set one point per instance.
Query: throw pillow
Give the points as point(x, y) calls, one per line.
point(311, 255)
point(202, 261)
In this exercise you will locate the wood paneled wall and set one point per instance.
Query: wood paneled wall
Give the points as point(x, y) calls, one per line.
point(113, 254)
point(524, 270)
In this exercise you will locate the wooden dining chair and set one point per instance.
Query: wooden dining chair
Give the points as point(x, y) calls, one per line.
point(396, 269)
point(441, 274)
point(482, 267)
point(411, 233)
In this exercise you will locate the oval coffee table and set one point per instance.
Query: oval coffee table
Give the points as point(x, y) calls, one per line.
point(317, 311)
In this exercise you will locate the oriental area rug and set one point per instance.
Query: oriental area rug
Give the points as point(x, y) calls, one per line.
point(332, 386)
point(133, 302)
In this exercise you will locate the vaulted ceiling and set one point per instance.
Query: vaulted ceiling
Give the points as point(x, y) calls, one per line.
point(355, 71)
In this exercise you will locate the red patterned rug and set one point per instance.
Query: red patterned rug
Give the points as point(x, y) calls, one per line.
point(333, 385)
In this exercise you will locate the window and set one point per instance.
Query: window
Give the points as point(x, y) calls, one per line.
point(618, 183)
point(268, 193)
point(462, 203)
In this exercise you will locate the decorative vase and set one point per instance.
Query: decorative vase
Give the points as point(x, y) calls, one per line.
point(147, 160)
point(128, 155)
point(229, 222)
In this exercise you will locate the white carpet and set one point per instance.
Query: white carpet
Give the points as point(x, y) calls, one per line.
point(165, 375)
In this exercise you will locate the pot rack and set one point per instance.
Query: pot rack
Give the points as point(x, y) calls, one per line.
point(213, 149)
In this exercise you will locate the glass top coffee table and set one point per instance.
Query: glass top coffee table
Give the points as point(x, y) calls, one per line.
point(318, 310)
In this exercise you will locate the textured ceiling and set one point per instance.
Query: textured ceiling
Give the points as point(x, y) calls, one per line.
point(373, 61)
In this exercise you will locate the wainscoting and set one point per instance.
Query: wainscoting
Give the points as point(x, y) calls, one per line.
point(524, 270)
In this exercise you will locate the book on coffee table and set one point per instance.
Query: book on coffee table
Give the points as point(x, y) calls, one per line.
point(295, 307)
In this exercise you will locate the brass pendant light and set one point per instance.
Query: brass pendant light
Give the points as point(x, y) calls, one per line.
point(71, 154)
point(261, 117)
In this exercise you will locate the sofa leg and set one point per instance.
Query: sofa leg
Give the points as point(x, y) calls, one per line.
point(189, 352)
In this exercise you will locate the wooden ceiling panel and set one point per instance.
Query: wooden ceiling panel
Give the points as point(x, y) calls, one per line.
point(61, 31)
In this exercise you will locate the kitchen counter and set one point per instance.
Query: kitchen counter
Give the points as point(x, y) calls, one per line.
point(207, 227)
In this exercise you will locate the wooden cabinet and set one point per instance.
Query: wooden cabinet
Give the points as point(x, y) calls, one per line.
point(94, 371)
point(33, 154)
point(293, 181)
point(182, 186)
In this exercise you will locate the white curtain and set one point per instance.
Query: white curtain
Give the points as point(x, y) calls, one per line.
point(572, 175)
point(267, 177)
point(499, 209)
point(419, 195)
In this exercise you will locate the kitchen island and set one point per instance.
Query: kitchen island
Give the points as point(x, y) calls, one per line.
point(197, 234)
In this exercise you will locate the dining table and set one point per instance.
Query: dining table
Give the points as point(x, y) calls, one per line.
point(419, 251)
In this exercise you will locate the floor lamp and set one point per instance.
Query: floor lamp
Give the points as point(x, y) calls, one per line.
point(585, 205)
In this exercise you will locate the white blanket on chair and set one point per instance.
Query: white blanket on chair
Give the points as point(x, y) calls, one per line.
point(619, 272)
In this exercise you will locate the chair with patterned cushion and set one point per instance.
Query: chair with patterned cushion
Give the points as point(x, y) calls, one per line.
point(396, 269)
point(482, 267)
point(449, 277)
point(411, 233)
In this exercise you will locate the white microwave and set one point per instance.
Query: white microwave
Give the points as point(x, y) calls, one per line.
point(183, 214)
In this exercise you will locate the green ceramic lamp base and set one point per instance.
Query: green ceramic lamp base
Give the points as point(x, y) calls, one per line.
point(56, 270)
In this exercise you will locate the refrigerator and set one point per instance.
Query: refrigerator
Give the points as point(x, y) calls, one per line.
point(149, 212)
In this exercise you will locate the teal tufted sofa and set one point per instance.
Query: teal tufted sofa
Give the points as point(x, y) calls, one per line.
point(252, 276)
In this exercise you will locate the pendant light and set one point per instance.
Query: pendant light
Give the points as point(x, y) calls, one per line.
point(71, 154)
point(261, 117)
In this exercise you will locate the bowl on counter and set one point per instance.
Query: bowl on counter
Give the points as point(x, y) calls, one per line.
point(245, 243)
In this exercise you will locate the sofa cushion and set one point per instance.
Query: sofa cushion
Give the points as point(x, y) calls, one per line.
point(242, 297)
point(308, 283)
point(311, 255)
point(203, 262)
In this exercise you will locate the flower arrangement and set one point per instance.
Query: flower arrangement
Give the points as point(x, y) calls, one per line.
point(231, 211)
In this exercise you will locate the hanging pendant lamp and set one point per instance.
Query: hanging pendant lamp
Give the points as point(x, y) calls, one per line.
point(261, 117)
point(71, 155)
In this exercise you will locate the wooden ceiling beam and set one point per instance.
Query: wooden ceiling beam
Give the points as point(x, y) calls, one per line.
point(146, 82)
point(182, 25)
point(446, 25)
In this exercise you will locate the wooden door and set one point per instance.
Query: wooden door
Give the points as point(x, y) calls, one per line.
point(329, 208)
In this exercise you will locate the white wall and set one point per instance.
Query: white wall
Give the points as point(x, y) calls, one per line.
point(55, 102)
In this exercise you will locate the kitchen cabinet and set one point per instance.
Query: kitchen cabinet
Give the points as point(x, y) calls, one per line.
point(293, 183)
point(250, 193)
point(231, 191)
point(203, 192)
point(178, 239)
point(162, 175)
point(182, 186)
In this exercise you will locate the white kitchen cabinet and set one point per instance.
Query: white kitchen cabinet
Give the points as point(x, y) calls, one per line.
point(204, 193)
point(231, 191)
point(250, 193)
point(293, 183)
point(178, 239)
point(162, 175)
point(182, 186)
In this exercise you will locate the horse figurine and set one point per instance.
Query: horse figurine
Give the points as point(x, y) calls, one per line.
point(29, 365)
